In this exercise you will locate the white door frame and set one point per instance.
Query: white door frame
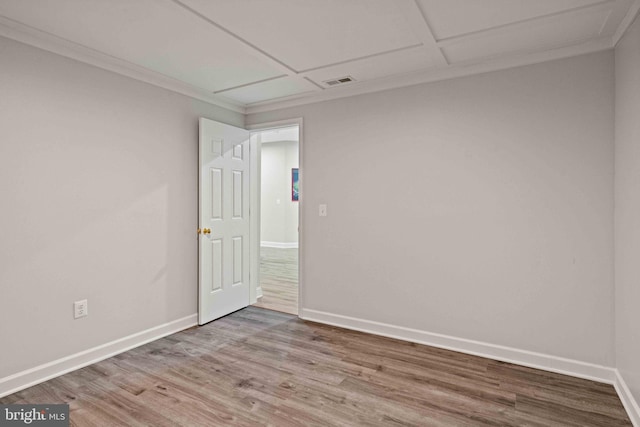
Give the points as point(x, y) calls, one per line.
point(254, 202)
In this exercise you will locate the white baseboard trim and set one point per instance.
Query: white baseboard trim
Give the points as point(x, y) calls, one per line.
point(280, 245)
point(259, 292)
point(47, 371)
point(516, 356)
point(630, 404)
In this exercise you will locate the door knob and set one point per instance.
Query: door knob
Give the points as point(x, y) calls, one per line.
point(206, 230)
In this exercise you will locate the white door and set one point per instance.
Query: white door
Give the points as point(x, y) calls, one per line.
point(224, 220)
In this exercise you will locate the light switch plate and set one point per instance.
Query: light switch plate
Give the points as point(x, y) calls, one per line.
point(80, 309)
point(322, 210)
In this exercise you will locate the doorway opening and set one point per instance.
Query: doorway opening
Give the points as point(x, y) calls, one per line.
point(279, 192)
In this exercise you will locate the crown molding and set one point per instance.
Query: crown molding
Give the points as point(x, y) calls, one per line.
point(435, 74)
point(28, 35)
point(628, 19)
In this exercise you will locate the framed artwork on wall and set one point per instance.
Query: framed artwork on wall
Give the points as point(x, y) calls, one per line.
point(294, 185)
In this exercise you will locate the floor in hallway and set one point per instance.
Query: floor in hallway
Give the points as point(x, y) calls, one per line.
point(279, 279)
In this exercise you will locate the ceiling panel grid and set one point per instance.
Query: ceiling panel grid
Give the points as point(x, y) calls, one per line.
point(267, 54)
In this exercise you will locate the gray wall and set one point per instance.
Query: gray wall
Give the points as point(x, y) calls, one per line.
point(98, 185)
point(278, 221)
point(479, 207)
point(627, 231)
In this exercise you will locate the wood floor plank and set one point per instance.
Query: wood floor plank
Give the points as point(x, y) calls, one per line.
point(259, 367)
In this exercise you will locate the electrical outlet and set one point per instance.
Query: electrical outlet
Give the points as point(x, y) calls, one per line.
point(80, 309)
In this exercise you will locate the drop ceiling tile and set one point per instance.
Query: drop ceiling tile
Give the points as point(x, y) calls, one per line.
point(548, 34)
point(448, 18)
point(394, 63)
point(306, 34)
point(277, 88)
point(156, 34)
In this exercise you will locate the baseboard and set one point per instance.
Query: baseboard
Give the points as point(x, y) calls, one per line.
point(259, 292)
point(630, 404)
point(542, 361)
point(280, 245)
point(47, 371)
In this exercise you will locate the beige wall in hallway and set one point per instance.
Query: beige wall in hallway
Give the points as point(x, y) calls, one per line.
point(279, 214)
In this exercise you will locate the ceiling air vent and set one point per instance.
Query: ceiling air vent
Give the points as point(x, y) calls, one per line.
point(339, 81)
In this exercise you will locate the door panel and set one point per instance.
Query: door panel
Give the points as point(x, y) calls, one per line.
point(224, 220)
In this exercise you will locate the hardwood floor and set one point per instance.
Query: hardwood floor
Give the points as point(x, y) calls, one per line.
point(262, 367)
point(279, 279)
